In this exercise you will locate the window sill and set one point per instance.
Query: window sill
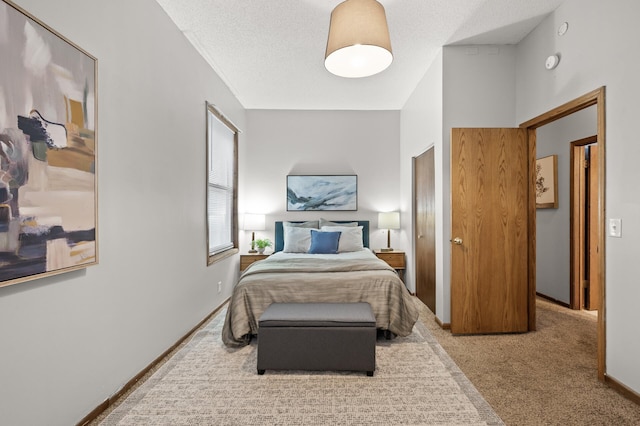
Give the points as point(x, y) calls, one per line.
point(220, 256)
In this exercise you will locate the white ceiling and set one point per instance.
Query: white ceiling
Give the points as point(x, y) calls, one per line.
point(271, 52)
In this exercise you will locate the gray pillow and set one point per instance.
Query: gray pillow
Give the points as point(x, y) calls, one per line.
point(296, 239)
point(324, 222)
point(309, 224)
point(350, 237)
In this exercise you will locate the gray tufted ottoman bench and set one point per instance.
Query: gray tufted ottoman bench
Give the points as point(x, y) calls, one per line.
point(317, 336)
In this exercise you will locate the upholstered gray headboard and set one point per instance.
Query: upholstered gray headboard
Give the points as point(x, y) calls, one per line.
point(279, 232)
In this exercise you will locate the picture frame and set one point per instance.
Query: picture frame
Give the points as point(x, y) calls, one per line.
point(322, 192)
point(547, 182)
point(48, 151)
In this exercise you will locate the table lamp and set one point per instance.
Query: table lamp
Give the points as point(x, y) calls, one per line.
point(254, 222)
point(389, 221)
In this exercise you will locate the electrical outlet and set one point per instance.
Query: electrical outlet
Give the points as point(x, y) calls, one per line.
point(219, 286)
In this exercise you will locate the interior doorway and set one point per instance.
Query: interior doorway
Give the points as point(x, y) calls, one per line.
point(585, 286)
point(596, 97)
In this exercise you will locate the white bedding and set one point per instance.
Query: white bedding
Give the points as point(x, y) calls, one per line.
point(354, 255)
point(321, 278)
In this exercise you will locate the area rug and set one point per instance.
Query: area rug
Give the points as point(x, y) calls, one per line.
point(206, 383)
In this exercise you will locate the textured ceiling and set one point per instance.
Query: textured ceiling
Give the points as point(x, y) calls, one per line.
point(271, 52)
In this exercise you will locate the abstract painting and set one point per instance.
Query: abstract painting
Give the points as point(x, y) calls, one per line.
point(322, 192)
point(48, 186)
point(547, 182)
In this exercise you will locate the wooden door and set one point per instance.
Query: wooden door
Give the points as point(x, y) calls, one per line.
point(585, 250)
point(425, 228)
point(594, 299)
point(578, 227)
point(489, 230)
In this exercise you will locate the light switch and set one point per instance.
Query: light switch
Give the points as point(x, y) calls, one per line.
point(615, 228)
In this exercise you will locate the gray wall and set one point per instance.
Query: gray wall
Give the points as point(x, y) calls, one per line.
point(552, 225)
point(421, 129)
point(71, 341)
point(284, 142)
point(590, 59)
point(598, 51)
point(466, 86)
point(479, 91)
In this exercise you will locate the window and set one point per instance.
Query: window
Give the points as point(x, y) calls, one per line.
point(222, 183)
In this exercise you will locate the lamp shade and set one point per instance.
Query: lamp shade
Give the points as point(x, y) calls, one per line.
point(254, 222)
point(358, 43)
point(389, 220)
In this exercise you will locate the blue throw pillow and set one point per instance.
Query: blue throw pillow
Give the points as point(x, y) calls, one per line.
point(324, 242)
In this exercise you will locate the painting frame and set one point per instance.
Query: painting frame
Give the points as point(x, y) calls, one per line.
point(322, 192)
point(547, 182)
point(48, 151)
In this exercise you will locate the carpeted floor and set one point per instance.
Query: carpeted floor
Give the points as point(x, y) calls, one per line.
point(547, 377)
point(205, 383)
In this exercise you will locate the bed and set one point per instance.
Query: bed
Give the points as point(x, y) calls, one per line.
point(298, 272)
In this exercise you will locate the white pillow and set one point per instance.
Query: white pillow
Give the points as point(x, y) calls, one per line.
point(325, 222)
point(350, 237)
point(309, 224)
point(296, 240)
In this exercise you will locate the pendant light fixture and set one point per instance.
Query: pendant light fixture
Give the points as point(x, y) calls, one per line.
point(358, 43)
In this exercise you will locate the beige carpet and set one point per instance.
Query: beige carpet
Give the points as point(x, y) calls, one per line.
point(547, 377)
point(205, 383)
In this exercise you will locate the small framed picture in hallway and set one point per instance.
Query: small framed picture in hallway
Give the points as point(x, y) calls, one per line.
point(547, 182)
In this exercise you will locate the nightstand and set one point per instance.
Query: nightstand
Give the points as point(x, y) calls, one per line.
point(395, 259)
point(248, 259)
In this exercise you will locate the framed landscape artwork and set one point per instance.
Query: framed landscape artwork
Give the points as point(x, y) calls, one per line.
point(48, 157)
point(547, 182)
point(322, 192)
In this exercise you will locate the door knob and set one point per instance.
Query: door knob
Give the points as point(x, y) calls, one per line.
point(457, 240)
